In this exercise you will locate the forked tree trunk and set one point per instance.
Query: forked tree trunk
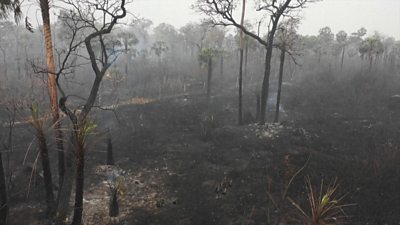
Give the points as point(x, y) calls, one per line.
point(278, 96)
point(52, 87)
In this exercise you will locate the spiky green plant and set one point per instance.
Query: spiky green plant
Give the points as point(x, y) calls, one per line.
point(325, 206)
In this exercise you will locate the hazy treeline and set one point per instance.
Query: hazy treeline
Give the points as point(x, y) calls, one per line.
point(154, 61)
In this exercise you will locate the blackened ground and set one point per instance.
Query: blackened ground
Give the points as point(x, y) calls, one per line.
point(184, 162)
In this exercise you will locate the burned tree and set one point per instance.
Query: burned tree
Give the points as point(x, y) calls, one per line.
point(206, 57)
point(220, 12)
point(87, 14)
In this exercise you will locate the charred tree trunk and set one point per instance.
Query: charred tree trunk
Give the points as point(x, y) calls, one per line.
point(66, 189)
point(267, 72)
point(265, 87)
point(52, 86)
point(110, 155)
point(79, 184)
point(278, 96)
point(3, 194)
point(48, 183)
point(114, 206)
point(240, 108)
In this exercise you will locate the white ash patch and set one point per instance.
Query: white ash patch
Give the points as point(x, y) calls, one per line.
point(269, 130)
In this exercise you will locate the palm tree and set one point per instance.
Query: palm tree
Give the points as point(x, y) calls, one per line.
point(8, 7)
point(372, 47)
point(341, 38)
point(52, 86)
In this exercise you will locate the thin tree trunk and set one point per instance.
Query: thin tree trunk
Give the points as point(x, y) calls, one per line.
point(246, 54)
point(342, 61)
point(278, 96)
point(221, 65)
point(370, 63)
point(209, 77)
point(258, 106)
point(126, 57)
point(18, 57)
point(3, 194)
point(52, 87)
point(240, 108)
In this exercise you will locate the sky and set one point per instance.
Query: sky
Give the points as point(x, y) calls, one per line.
point(347, 15)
